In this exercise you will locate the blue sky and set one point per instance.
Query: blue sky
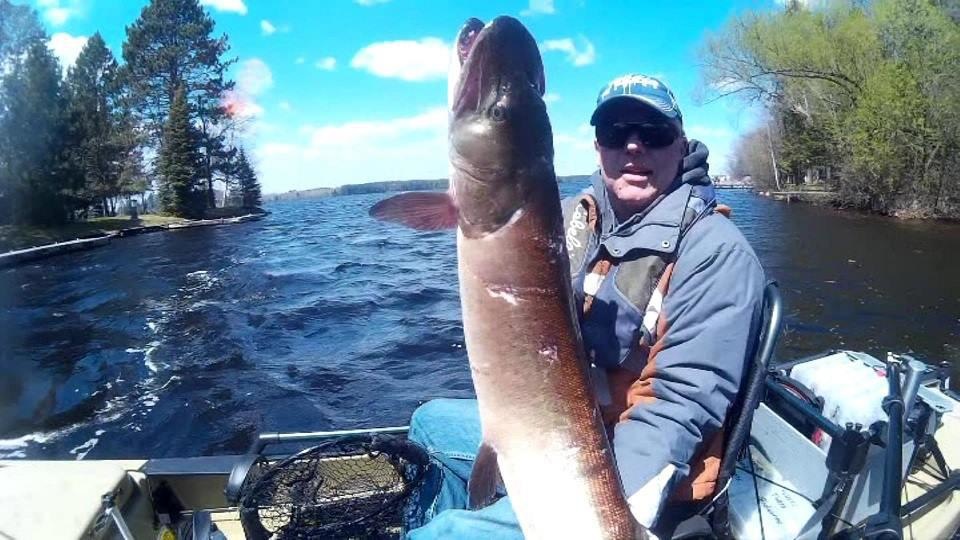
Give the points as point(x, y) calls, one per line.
point(347, 91)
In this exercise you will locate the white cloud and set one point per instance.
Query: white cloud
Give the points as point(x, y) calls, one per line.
point(698, 131)
point(578, 141)
point(371, 2)
point(58, 12)
point(573, 151)
point(285, 105)
point(57, 16)
point(267, 28)
point(405, 148)
point(718, 139)
point(728, 85)
point(254, 77)
point(253, 80)
point(300, 60)
point(260, 127)
point(409, 60)
point(249, 109)
point(551, 98)
point(280, 150)
point(577, 56)
point(539, 7)
point(229, 6)
point(372, 132)
point(66, 47)
point(328, 63)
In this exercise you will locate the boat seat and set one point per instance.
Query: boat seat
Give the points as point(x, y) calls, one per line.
point(220, 465)
point(195, 482)
point(57, 499)
point(711, 520)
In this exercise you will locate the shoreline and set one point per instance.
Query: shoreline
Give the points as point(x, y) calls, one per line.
point(24, 255)
point(829, 199)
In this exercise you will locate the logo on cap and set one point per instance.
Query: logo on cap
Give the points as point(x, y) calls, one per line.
point(625, 82)
point(642, 88)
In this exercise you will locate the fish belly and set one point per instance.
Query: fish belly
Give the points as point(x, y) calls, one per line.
point(537, 410)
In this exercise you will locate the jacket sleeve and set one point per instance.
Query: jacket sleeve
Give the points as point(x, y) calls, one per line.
point(709, 319)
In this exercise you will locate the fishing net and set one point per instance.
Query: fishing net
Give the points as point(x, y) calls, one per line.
point(353, 487)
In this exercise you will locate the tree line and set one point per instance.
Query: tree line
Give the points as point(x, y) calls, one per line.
point(101, 131)
point(862, 95)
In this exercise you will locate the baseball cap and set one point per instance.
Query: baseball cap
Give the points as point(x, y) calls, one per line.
point(643, 88)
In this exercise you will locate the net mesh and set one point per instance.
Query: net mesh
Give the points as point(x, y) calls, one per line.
point(352, 487)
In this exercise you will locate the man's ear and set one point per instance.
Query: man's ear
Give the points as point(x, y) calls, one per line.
point(596, 146)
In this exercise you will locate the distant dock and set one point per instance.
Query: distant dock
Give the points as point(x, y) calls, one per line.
point(809, 196)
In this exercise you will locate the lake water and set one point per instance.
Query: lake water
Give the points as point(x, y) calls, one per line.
point(190, 342)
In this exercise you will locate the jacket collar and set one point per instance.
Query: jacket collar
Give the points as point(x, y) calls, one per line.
point(658, 227)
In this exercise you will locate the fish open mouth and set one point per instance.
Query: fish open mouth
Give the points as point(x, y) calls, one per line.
point(468, 87)
point(503, 44)
point(467, 37)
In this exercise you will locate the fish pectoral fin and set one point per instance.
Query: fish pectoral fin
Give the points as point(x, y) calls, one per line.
point(484, 478)
point(724, 210)
point(425, 211)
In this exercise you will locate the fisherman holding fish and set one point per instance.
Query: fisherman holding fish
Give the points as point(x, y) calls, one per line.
point(662, 286)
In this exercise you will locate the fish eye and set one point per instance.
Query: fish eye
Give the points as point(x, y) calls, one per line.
point(498, 113)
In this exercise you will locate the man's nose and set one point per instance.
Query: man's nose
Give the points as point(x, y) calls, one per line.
point(633, 144)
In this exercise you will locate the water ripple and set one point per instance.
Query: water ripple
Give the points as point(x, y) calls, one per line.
point(318, 317)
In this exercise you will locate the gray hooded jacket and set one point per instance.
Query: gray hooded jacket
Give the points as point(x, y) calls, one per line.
point(688, 372)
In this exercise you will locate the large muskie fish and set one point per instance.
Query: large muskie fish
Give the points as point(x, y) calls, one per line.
point(541, 425)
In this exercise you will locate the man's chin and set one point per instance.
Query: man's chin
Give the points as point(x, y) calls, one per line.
point(640, 190)
point(633, 197)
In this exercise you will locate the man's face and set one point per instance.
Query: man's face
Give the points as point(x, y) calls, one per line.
point(635, 173)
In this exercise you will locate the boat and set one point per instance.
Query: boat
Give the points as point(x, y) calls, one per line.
point(789, 483)
point(818, 463)
point(173, 498)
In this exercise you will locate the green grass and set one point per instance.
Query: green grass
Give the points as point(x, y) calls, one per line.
point(14, 237)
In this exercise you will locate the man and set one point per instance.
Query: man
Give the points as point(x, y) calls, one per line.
point(670, 295)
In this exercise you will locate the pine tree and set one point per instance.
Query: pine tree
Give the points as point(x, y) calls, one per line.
point(19, 30)
point(178, 163)
point(133, 179)
point(227, 170)
point(33, 170)
point(131, 138)
point(249, 185)
point(99, 145)
point(172, 45)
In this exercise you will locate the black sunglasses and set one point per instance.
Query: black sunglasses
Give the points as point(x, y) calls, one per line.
point(652, 135)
